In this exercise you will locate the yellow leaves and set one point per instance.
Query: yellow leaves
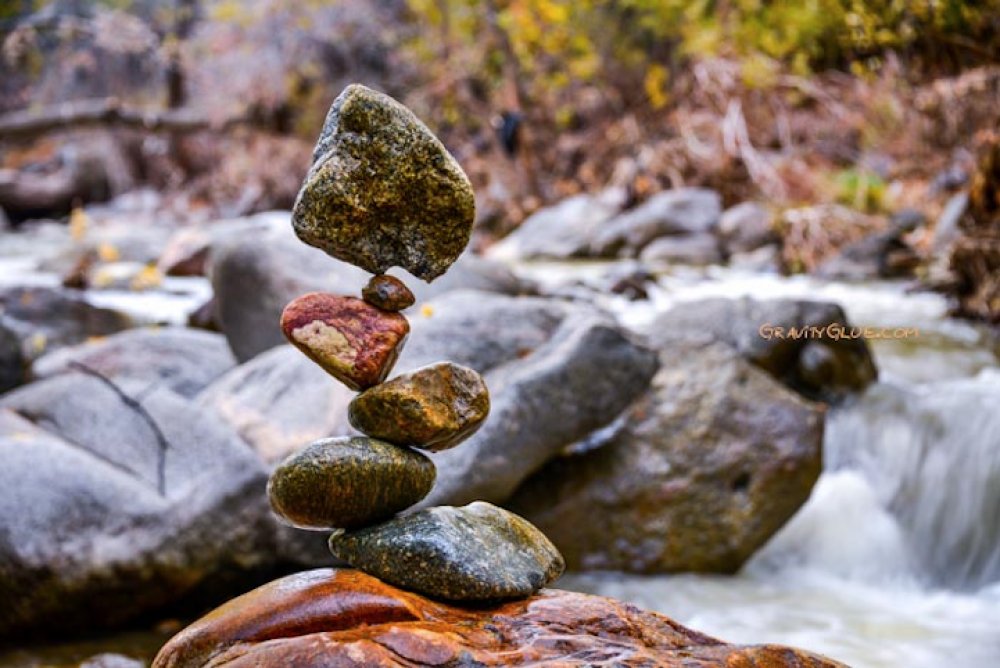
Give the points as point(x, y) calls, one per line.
point(758, 71)
point(146, 279)
point(655, 83)
point(107, 252)
point(78, 224)
point(37, 343)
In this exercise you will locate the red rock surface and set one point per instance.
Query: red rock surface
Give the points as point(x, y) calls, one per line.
point(352, 340)
point(332, 617)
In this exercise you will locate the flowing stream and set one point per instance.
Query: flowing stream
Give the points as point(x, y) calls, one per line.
point(895, 559)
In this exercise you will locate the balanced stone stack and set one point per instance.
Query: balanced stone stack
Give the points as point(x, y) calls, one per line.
point(383, 192)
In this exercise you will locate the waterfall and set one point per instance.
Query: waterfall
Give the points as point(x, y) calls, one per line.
point(931, 455)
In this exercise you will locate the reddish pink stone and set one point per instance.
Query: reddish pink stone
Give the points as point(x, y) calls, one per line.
point(353, 341)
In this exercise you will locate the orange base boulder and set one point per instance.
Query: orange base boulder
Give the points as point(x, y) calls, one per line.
point(333, 617)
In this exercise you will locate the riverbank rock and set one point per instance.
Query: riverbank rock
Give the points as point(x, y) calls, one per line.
point(49, 318)
point(687, 249)
point(348, 338)
point(824, 361)
point(474, 553)
point(435, 408)
point(278, 401)
point(672, 213)
point(123, 494)
point(746, 227)
point(709, 465)
point(577, 382)
point(255, 277)
point(348, 483)
point(345, 618)
point(383, 191)
point(181, 359)
point(564, 230)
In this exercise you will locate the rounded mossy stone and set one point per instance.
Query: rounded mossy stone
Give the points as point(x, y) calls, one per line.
point(476, 552)
point(435, 407)
point(383, 191)
point(348, 482)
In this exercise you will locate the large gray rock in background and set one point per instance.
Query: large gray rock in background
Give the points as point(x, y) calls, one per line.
point(819, 367)
point(679, 212)
point(710, 463)
point(556, 371)
point(255, 277)
point(121, 494)
point(183, 360)
point(280, 401)
point(579, 381)
point(34, 320)
point(561, 231)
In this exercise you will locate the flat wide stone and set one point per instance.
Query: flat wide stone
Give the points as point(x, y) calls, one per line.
point(333, 617)
point(352, 340)
point(436, 407)
point(383, 191)
point(474, 553)
point(348, 482)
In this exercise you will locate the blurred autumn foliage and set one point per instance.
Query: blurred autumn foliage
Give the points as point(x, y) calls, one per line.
point(798, 101)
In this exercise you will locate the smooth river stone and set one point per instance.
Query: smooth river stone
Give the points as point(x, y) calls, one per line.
point(383, 191)
point(387, 293)
point(343, 618)
point(353, 341)
point(474, 553)
point(348, 482)
point(435, 408)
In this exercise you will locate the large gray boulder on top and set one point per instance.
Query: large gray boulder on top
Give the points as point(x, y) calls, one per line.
point(710, 463)
point(680, 212)
point(121, 494)
point(255, 277)
point(181, 359)
point(807, 345)
point(561, 231)
point(383, 191)
point(746, 227)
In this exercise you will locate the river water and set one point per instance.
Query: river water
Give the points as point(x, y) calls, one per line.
point(895, 559)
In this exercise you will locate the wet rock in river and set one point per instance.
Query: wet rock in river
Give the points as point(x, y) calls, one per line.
point(331, 617)
point(383, 191)
point(351, 340)
point(707, 467)
point(348, 482)
point(436, 407)
point(474, 553)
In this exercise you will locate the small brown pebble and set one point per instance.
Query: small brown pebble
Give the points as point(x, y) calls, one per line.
point(387, 293)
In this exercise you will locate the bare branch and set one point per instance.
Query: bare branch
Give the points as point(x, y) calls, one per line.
point(103, 113)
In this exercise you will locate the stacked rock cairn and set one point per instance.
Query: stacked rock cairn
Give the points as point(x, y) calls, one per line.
point(383, 191)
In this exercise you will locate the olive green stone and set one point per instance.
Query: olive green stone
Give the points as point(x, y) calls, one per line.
point(435, 407)
point(474, 553)
point(348, 482)
point(383, 191)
